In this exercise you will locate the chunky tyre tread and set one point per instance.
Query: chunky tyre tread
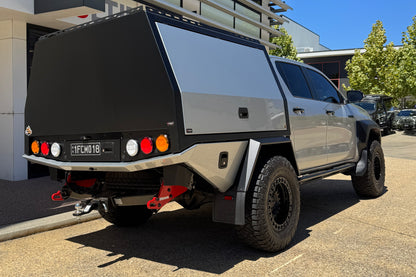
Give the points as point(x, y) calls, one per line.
point(371, 184)
point(257, 231)
point(125, 216)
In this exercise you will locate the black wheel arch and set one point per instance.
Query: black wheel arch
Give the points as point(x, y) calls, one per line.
point(367, 131)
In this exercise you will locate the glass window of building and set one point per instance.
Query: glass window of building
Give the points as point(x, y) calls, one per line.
point(219, 16)
point(175, 2)
point(229, 20)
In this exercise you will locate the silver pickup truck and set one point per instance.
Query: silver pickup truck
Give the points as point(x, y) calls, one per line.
point(142, 108)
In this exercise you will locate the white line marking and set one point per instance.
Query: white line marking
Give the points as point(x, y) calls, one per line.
point(291, 261)
point(339, 231)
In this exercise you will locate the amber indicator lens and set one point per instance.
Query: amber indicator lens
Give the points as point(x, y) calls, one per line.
point(162, 143)
point(35, 147)
point(44, 148)
point(146, 145)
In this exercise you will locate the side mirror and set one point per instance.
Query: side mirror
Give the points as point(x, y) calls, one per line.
point(354, 96)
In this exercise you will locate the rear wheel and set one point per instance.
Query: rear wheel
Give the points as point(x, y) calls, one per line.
point(125, 216)
point(272, 207)
point(371, 184)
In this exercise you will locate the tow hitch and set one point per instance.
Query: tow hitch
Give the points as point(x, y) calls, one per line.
point(86, 206)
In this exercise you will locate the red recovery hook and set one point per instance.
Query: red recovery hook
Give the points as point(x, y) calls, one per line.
point(57, 196)
point(62, 195)
point(165, 195)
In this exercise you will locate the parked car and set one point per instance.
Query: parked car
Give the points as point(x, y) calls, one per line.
point(375, 105)
point(405, 120)
point(153, 121)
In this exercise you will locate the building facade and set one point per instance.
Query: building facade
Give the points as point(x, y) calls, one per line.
point(304, 39)
point(22, 22)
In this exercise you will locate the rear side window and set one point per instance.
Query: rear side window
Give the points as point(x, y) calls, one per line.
point(322, 88)
point(294, 79)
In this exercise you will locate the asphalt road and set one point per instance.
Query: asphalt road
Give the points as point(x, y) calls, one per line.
point(29, 199)
point(339, 234)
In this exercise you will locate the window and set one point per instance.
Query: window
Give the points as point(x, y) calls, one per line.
point(294, 79)
point(244, 26)
point(330, 69)
point(229, 20)
point(322, 89)
point(175, 2)
point(219, 16)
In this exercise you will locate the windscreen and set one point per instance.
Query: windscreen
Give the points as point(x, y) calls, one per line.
point(368, 106)
point(407, 113)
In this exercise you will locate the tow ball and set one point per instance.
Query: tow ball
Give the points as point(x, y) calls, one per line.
point(86, 206)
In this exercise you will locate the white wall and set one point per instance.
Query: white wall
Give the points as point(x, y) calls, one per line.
point(302, 37)
point(12, 94)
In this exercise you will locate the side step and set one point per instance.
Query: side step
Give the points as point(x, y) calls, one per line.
point(325, 173)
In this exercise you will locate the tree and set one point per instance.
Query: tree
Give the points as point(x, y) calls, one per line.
point(407, 62)
point(285, 48)
point(375, 70)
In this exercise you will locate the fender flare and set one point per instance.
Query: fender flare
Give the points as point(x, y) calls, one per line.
point(229, 207)
point(367, 131)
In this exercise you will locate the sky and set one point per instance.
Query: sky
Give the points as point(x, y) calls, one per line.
point(345, 24)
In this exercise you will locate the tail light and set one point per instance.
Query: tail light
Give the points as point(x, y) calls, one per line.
point(146, 145)
point(44, 148)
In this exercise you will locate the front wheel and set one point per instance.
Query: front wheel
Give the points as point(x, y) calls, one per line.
point(272, 207)
point(125, 216)
point(371, 184)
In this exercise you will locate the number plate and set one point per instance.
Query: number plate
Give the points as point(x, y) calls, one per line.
point(86, 149)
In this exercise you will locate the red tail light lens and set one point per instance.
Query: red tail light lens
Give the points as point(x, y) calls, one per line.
point(146, 145)
point(44, 148)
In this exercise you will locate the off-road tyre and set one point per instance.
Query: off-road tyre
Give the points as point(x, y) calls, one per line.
point(371, 184)
point(125, 216)
point(272, 207)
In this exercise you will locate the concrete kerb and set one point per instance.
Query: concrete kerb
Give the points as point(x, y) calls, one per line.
point(44, 224)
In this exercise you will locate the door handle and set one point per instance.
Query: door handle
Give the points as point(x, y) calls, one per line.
point(298, 110)
point(242, 112)
point(328, 112)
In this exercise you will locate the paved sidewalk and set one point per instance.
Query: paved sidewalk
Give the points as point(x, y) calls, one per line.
point(44, 224)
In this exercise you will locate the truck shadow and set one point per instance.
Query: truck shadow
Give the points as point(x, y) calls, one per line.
point(189, 239)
